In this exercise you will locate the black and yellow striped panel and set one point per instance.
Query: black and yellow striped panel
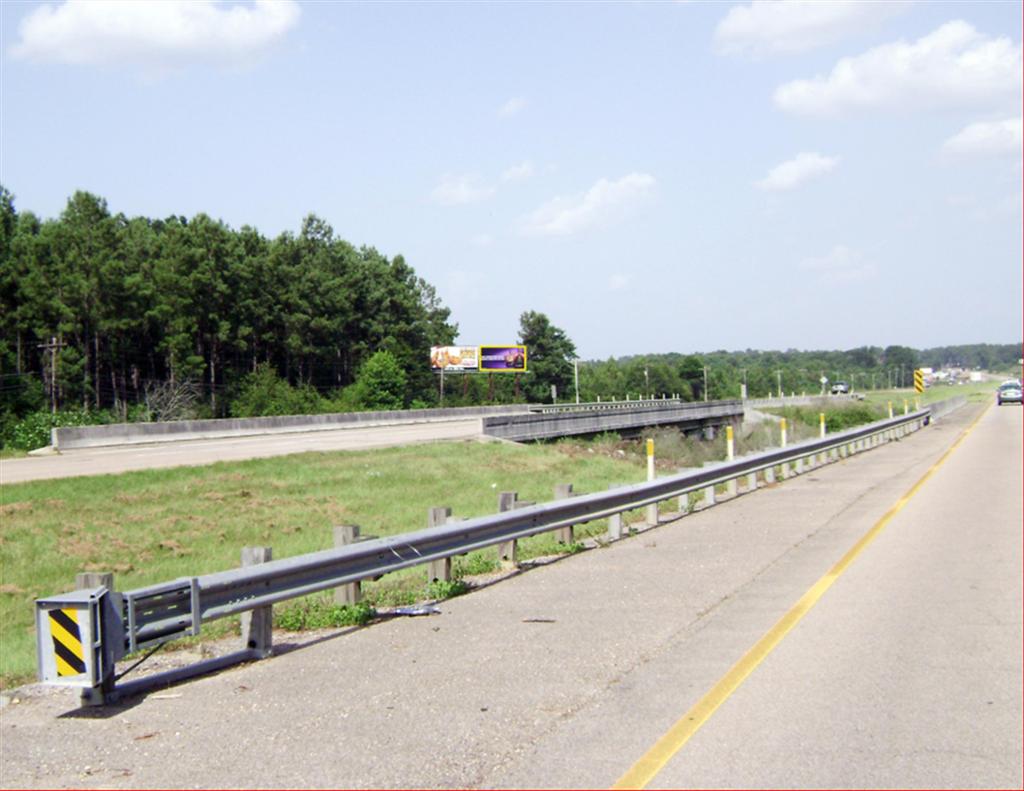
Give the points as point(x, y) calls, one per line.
point(67, 642)
point(919, 381)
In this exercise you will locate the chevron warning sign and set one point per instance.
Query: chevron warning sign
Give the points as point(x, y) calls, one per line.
point(919, 380)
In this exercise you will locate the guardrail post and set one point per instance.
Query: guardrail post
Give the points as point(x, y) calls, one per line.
point(563, 491)
point(351, 592)
point(439, 570)
point(99, 695)
point(615, 520)
point(507, 550)
point(652, 509)
point(258, 624)
point(684, 498)
point(709, 491)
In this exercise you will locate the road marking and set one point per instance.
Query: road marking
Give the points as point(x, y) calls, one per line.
point(654, 760)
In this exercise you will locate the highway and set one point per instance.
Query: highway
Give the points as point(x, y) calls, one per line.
point(857, 626)
point(125, 458)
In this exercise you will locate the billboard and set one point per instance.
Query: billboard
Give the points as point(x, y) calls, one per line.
point(454, 358)
point(507, 359)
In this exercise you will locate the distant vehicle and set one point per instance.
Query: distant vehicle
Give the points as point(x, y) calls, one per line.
point(840, 388)
point(1009, 393)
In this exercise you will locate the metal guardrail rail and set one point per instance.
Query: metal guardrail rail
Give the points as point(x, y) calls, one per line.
point(156, 614)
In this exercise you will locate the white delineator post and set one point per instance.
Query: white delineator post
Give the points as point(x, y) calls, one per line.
point(652, 509)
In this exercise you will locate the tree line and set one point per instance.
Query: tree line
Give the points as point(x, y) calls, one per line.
point(96, 307)
point(136, 318)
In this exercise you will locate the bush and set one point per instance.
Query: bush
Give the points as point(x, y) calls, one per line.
point(33, 431)
point(264, 393)
point(381, 383)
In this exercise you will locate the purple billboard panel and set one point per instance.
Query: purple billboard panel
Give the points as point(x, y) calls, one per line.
point(507, 359)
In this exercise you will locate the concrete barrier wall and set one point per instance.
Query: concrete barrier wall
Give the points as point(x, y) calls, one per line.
point(941, 408)
point(173, 431)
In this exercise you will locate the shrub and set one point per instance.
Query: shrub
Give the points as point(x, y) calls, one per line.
point(264, 393)
point(381, 382)
point(33, 431)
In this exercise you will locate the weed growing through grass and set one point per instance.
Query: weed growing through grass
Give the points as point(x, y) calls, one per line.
point(322, 613)
point(446, 589)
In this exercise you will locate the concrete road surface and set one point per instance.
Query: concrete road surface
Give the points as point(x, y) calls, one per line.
point(97, 461)
point(906, 672)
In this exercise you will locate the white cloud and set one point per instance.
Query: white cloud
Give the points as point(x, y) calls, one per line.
point(768, 27)
point(794, 172)
point(955, 66)
point(839, 266)
point(160, 35)
point(987, 138)
point(520, 172)
point(617, 282)
point(513, 106)
point(606, 201)
point(455, 190)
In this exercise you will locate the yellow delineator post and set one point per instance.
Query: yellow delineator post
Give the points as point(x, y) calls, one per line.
point(730, 454)
point(652, 509)
point(782, 431)
point(919, 380)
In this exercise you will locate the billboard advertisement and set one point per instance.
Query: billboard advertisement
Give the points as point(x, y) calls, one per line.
point(454, 358)
point(507, 359)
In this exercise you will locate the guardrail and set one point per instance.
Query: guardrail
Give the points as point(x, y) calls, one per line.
point(111, 624)
point(599, 406)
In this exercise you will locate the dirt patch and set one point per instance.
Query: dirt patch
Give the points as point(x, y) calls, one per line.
point(16, 508)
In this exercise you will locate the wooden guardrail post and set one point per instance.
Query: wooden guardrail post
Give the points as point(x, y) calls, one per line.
point(439, 570)
point(709, 491)
point(615, 520)
point(258, 624)
point(351, 592)
point(507, 550)
point(684, 498)
point(564, 535)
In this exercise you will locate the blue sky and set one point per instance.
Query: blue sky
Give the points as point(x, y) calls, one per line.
point(654, 177)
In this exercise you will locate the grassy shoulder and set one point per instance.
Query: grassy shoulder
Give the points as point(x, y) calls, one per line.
point(157, 525)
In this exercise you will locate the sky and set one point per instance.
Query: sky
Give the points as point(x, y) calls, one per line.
point(654, 177)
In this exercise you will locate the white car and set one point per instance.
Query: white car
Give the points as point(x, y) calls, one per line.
point(1009, 393)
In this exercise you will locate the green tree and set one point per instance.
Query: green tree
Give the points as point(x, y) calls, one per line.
point(381, 383)
point(549, 354)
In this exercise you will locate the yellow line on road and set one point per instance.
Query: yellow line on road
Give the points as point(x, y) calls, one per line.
point(654, 760)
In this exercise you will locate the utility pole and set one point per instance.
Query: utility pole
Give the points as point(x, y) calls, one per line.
point(705, 383)
point(52, 347)
point(576, 374)
point(778, 378)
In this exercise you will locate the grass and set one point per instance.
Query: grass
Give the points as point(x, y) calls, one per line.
point(156, 525)
point(975, 392)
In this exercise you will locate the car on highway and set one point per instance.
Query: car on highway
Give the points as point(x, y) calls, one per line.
point(840, 388)
point(1009, 393)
